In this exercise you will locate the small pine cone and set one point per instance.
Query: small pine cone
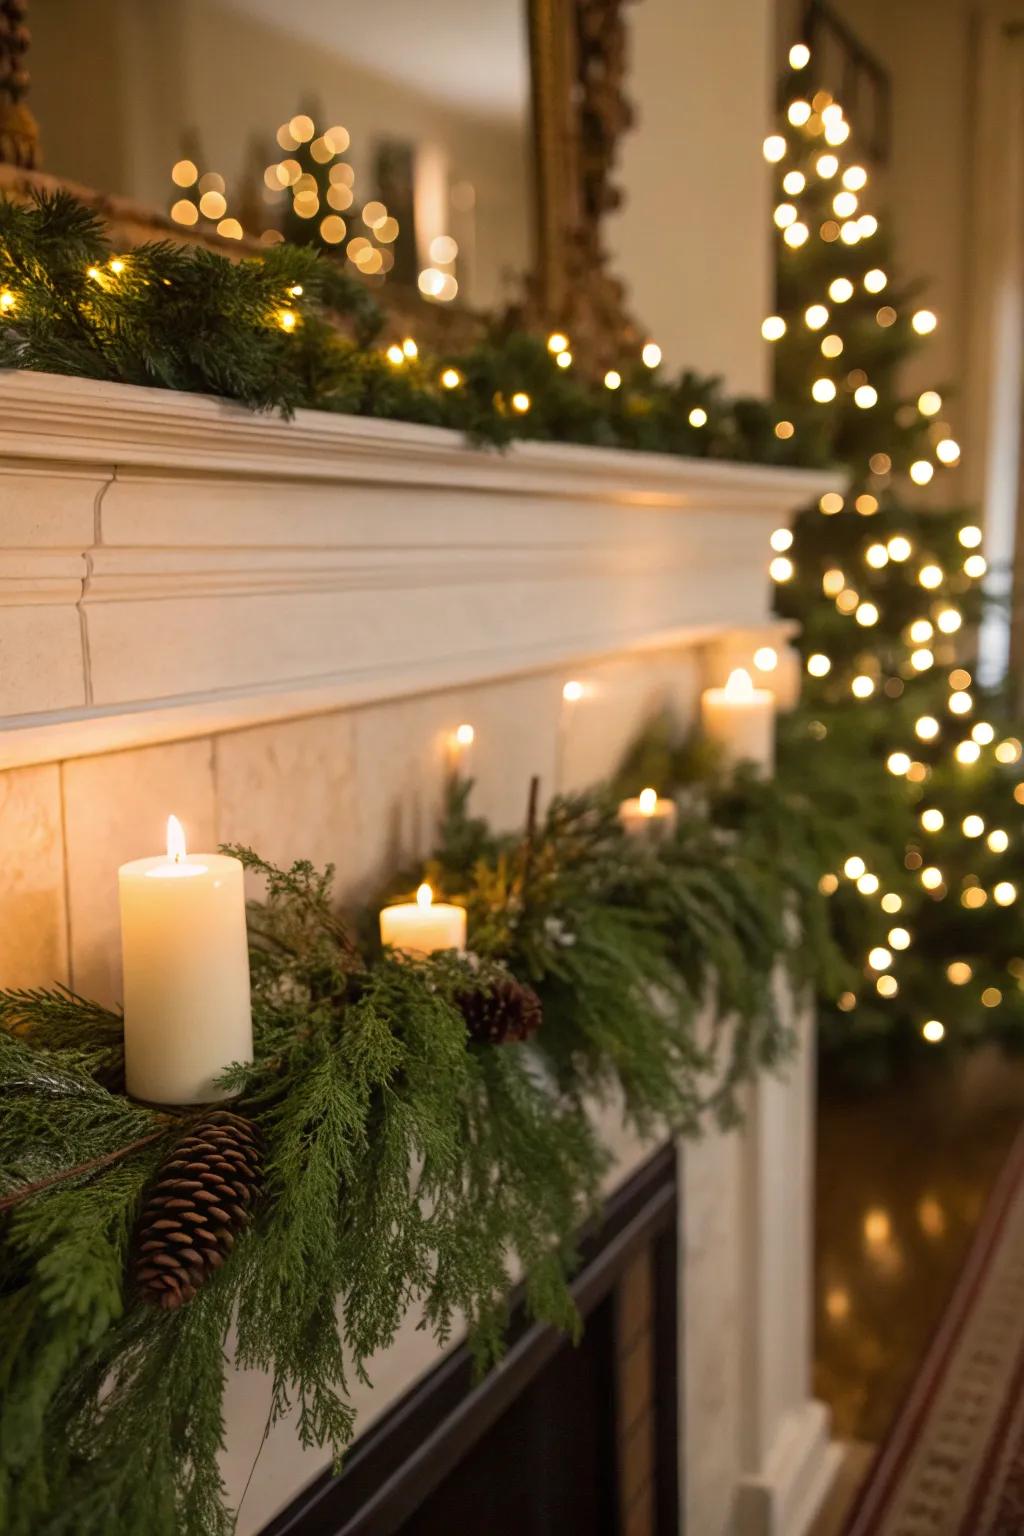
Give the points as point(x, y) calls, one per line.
point(201, 1198)
point(498, 1009)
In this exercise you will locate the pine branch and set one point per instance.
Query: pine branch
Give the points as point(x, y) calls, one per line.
point(90, 1165)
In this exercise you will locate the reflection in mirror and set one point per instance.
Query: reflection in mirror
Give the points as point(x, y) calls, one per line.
point(395, 135)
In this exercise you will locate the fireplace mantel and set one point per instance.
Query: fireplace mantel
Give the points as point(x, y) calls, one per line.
point(173, 563)
point(285, 621)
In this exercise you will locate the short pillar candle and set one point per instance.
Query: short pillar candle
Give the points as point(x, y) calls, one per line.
point(185, 964)
point(648, 815)
point(423, 926)
point(741, 720)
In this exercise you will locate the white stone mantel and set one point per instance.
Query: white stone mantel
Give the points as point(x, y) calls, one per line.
point(172, 563)
point(287, 619)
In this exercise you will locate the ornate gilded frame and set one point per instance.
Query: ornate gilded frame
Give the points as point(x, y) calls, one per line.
point(579, 66)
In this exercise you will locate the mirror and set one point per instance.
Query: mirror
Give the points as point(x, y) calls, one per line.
point(396, 135)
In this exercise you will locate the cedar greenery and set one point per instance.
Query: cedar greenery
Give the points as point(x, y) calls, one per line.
point(405, 1166)
point(186, 318)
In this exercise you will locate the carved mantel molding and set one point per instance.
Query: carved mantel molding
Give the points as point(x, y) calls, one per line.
point(171, 564)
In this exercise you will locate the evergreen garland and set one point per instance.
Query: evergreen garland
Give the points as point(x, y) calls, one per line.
point(290, 329)
point(405, 1164)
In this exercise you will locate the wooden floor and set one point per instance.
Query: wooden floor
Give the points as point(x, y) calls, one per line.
point(902, 1178)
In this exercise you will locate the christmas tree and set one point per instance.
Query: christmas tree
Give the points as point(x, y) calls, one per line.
point(314, 184)
point(895, 739)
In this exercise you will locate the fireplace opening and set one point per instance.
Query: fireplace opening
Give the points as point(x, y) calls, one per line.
point(548, 1464)
point(560, 1440)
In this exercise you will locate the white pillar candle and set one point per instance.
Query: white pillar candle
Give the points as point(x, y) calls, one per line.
point(185, 958)
point(422, 926)
point(765, 652)
point(741, 719)
point(460, 750)
point(648, 815)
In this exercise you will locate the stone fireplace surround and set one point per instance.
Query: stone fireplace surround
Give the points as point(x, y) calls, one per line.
point(272, 628)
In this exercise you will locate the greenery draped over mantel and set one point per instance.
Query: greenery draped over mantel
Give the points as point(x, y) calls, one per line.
point(290, 329)
point(406, 1166)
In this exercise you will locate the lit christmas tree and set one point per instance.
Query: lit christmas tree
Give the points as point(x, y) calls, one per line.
point(894, 738)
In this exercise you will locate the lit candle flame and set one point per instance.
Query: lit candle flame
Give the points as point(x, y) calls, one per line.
point(424, 896)
point(175, 840)
point(740, 685)
point(465, 735)
point(648, 802)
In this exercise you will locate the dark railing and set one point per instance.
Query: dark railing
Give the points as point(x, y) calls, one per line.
point(841, 64)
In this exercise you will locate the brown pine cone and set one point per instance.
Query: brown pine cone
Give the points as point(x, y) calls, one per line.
point(499, 1009)
point(201, 1198)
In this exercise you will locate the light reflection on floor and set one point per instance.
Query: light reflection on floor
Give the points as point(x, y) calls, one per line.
point(903, 1174)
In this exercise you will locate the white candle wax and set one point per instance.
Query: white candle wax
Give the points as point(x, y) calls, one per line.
point(185, 958)
point(648, 815)
point(460, 750)
point(741, 719)
point(422, 926)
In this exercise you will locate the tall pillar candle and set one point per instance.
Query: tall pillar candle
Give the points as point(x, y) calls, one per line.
point(741, 720)
point(423, 926)
point(185, 958)
point(460, 751)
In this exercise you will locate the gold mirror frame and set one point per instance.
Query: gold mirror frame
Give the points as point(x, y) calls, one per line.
point(578, 67)
point(580, 110)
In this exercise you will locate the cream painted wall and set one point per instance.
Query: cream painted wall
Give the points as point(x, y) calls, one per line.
point(693, 240)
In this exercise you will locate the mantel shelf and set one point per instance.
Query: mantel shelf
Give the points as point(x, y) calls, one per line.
point(173, 563)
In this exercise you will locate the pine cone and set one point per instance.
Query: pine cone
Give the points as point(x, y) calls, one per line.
point(201, 1197)
point(499, 1009)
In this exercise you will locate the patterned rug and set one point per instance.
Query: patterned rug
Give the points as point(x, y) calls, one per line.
point(953, 1463)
